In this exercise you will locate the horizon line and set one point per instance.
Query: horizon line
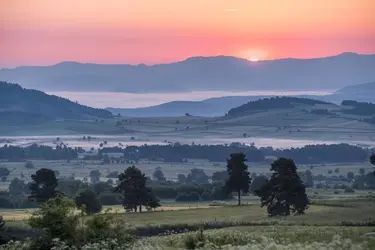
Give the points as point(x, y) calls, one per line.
point(187, 58)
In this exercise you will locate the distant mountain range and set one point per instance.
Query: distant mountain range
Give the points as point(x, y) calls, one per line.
point(200, 73)
point(19, 106)
point(220, 105)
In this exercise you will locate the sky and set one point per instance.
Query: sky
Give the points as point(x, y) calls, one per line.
point(45, 32)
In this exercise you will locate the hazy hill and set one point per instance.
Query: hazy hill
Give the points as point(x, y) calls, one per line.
point(25, 106)
point(273, 103)
point(209, 107)
point(200, 73)
point(361, 92)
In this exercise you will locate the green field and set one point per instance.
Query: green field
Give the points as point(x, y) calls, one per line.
point(82, 169)
point(326, 222)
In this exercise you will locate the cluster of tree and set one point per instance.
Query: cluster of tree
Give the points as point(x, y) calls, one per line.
point(310, 154)
point(272, 103)
point(313, 154)
point(39, 152)
point(131, 191)
point(359, 108)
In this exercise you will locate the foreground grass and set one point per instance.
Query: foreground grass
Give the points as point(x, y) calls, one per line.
point(271, 237)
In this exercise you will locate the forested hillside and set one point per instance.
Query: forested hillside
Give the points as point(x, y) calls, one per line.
point(20, 106)
point(273, 103)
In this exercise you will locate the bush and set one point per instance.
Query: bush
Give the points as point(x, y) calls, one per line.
point(29, 165)
point(193, 196)
point(56, 218)
point(349, 190)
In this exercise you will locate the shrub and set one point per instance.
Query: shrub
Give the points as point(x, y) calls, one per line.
point(193, 196)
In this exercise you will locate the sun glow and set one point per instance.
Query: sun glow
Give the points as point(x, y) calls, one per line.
point(254, 59)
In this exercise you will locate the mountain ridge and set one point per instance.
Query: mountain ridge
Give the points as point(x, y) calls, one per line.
point(199, 73)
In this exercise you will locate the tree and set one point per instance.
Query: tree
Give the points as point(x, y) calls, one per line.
point(257, 183)
point(362, 171)
point(29, 165)
point(372, 160)
point(43, 185)
point(159, 175)
point(307, 178)
point(350, 176)
point(95, 176)
point(90, 200)
point(284, 193)
point(132, 187)
point(181, 178)
point(197, 175)
point(239, 178)
point(17, 187)
point(4, 172)
point(220, 177)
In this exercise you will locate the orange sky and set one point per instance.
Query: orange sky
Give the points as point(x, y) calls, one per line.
point(42, 32)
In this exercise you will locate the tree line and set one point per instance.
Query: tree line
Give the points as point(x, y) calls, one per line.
point(272, 103)
point(38, 152)
point(310, 154)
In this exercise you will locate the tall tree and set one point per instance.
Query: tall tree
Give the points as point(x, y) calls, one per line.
point(95, 176)
point(43, 185)
point(132, 187)
point(159, 175)
point(239, 178)
point(284, 193)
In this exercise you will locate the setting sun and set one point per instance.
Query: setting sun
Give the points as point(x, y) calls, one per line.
point(254, 59)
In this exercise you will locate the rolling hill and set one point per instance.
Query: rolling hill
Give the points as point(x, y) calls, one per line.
point(200, 73)
point(19, 106)
point(210, 107)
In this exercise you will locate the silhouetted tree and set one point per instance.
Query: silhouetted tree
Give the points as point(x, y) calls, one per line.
point(284, 193)
point(158, 174)
point(181, 178)
point(90, 200)
point(95, 176)
point(239, 177)
point(362, 171)
point(350, 176)
point(43, 185)
point(132, 187)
